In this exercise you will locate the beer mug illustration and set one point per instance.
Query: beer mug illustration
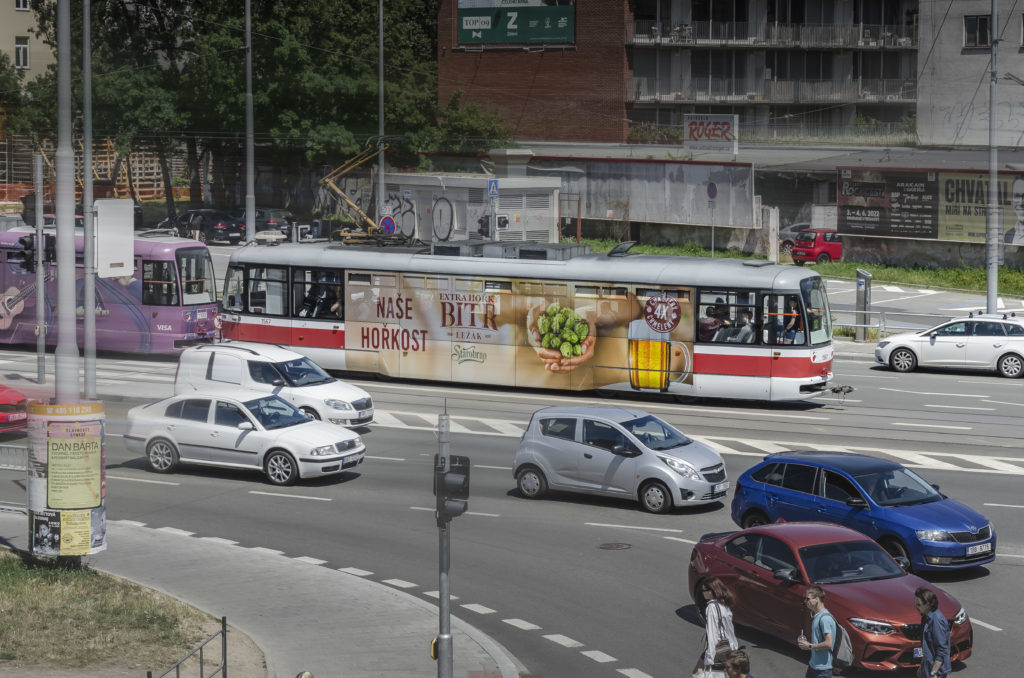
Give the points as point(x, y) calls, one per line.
point(650, 356)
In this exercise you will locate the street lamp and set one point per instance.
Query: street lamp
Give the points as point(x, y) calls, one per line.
point(992, 225)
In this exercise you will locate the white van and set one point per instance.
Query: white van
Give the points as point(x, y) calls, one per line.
point(266, 368)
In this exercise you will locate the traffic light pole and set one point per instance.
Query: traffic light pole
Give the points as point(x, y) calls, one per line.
point(40, 276)
point(444, 626)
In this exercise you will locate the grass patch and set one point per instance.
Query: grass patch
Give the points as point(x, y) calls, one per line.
point(1011, 281)
point(75, 618)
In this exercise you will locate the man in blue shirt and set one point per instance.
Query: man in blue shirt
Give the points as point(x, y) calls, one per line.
point(823, 629)
point(934, 635)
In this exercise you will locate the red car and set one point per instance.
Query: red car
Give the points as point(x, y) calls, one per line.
point(13, 412)
point(817, 244)
point(768, 568)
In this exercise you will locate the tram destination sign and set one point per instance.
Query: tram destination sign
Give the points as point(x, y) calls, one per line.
point(921, 204)
point(513, 22)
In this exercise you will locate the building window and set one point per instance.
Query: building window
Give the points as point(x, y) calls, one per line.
point(976, 33)
point(21, 52)
point(21, 5)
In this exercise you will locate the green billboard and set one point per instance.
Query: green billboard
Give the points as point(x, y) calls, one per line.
point(503, 22)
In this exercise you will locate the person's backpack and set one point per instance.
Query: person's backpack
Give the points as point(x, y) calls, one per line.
point(842, 649)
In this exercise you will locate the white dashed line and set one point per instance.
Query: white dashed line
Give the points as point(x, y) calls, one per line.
point(174, 530)
point(635, 527)
point(220, 540)
point(493, 468)
point(142, 480)
point(634, 673)
point(599, 657)
point(479, 609)
point(355, 571)
point(520, 624)
point(437, 594)
point(400, 583)
point(917, 425)
point(983, 624)
point(385, 458)
point(289, 496)
point(685, 541)
point(130, 523)
point(486, 515)
point(1005, 505)
point(311, 561)
point(563, 641)
point(273, 552)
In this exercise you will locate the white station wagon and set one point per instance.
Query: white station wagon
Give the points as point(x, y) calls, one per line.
point(246, 431)
point(993, 342)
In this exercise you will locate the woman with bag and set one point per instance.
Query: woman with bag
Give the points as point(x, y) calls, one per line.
point(719, 634)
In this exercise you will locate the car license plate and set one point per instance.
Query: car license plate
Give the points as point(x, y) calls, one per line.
point(364, 414)
point(720, 487)
point(979, 548)
point(17, 416)
point(918, 653)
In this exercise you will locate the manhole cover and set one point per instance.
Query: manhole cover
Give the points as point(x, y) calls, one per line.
point(615, 546)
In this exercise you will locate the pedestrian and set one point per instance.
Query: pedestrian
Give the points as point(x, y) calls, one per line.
point(737, 665)
point(719, 634)
point(934, 635)
point(823, 630)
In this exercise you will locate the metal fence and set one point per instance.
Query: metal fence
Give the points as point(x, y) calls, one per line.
point(220, 669)
point(886, 322)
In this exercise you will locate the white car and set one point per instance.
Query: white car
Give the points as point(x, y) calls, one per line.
point(260, 432)
point(993, 342)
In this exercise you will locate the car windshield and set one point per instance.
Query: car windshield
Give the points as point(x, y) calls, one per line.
point(274, 412)
point(302, 372)
point(655, 434)
point(897, 487)
point(848, 561)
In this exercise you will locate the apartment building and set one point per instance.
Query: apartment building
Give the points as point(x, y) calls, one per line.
point(808, 68)
point(27, 52)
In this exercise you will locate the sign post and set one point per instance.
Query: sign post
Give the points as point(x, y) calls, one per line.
point(492, 193)
point(712, 194)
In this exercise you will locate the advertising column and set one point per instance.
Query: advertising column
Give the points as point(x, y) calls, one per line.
point(66, 479)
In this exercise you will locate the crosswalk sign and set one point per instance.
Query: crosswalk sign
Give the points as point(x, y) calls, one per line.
point(492, 188)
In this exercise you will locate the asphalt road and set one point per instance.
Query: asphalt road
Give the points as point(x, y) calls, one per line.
point(589, 586)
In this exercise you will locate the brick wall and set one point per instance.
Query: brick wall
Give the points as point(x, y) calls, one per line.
point(553, 95)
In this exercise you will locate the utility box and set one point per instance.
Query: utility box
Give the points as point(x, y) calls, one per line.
point(863, 304)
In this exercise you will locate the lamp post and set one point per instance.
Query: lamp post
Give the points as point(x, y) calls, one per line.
point(250, 163)
point(380, 109)
point(993, 225)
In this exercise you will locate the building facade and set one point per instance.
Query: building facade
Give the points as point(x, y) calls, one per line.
point(788, 68)
point(28, 53)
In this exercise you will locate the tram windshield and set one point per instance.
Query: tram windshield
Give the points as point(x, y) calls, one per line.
point(819, 318)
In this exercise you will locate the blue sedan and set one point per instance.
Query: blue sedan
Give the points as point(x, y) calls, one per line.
point(891, 504)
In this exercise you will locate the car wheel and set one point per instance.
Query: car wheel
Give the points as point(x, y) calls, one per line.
point(281, 468)
point(698, 602)
point(786, 247)
point(798, 262)
point(1011, 366)
point(203, 238)
point(531, 483)
point(895, 548)
point(903, 360)
point(754, 518)
point(655, 498)
point(162, 456)
point(824, 258)
point(311, 413)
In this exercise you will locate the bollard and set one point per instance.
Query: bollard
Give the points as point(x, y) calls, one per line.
point(863, 304)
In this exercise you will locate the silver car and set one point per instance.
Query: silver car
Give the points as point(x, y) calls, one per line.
point(264, 433)
point(617, 452)
point(993, 342)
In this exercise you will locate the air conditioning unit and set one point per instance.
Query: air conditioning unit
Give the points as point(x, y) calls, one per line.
point(892, 97)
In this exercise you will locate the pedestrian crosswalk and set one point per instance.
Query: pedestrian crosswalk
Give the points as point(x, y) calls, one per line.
point(746, 447)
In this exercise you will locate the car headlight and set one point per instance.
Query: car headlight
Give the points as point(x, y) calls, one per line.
point(338, 405)
point(680, 467)
point(322, 451)
point(960, 617)
point(883, 344)
point(934, 535)
point(872, 626)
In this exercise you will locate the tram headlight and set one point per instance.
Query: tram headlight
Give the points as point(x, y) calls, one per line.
point(680, 467)
point(338, 405)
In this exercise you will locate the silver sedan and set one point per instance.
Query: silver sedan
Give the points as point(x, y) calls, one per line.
point(993, 342)
point(264, 433)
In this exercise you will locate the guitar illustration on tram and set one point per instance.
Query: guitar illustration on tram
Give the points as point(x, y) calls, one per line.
point(12, 303)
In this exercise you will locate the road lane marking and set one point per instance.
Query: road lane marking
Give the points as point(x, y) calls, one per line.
point(635, 527)
point(129, 523)
point(385, 458)
point(987, 626)
point(485, 515)
point(520, 624)
point(144, 480)
point(598, 656)
point(964, 407)
point(912, 423)
point(1005, 505)
point(936, 393)
point(290, 496)
point(220, 540)
point(479, 609)
point(634, 673)
point(310, 560)
point(400, 583)
point(355, 571)
point(437, 594)
point(493, 468)
point(563, 640)
point(263, 549)
point(1000, 402)
point(685, 541)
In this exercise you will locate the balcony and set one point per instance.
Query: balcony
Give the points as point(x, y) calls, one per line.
point(703, 90)
point(794, 130)
point(765, 35)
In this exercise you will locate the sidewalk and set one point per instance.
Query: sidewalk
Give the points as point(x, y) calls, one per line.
point(304, 617)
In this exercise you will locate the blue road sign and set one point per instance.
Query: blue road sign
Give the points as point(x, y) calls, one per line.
point(492, 188)
point(712, 190)
point(387, 224)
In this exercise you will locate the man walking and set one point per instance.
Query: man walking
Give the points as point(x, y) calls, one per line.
point(823, 629)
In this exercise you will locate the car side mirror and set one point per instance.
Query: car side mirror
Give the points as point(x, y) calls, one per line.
point(933, 334)
point(620, 450)
point(309, 415)
point(902, 562)
point(277, 382)
point(245, 426)
point(856, 502)
point(935, 487)
point(788, 574)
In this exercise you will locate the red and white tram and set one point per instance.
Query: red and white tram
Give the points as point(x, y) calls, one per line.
point(686, 326)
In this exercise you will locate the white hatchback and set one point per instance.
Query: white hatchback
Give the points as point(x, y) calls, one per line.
point(993, 342)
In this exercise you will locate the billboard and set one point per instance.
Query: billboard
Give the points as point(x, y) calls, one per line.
point(928, 204)
point(707, 132)
point(504, 22)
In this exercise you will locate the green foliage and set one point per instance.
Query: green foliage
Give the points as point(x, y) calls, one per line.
point(649, 133)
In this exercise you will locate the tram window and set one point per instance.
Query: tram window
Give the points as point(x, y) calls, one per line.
point(268, 290)
point(586, 291)
point(316, 293)
point(468, 285)
point(784, 319)
point(613, 291)
point(234, 290)
point(498, 285)
point(359, 278)
point(159, 283)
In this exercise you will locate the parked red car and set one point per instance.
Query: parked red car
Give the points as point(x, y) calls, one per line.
point(769, 568)
point(13, 411)
point(821, 245)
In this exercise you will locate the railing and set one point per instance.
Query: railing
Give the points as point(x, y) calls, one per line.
point(221, 668)
point(13, 458)
point(741, 33)
point(897, 321)
point(795, 132)
point(702, 89)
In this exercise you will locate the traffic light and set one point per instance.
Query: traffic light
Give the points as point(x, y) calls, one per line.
point(451, 487)
point(27, 254)
point(49, 247)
